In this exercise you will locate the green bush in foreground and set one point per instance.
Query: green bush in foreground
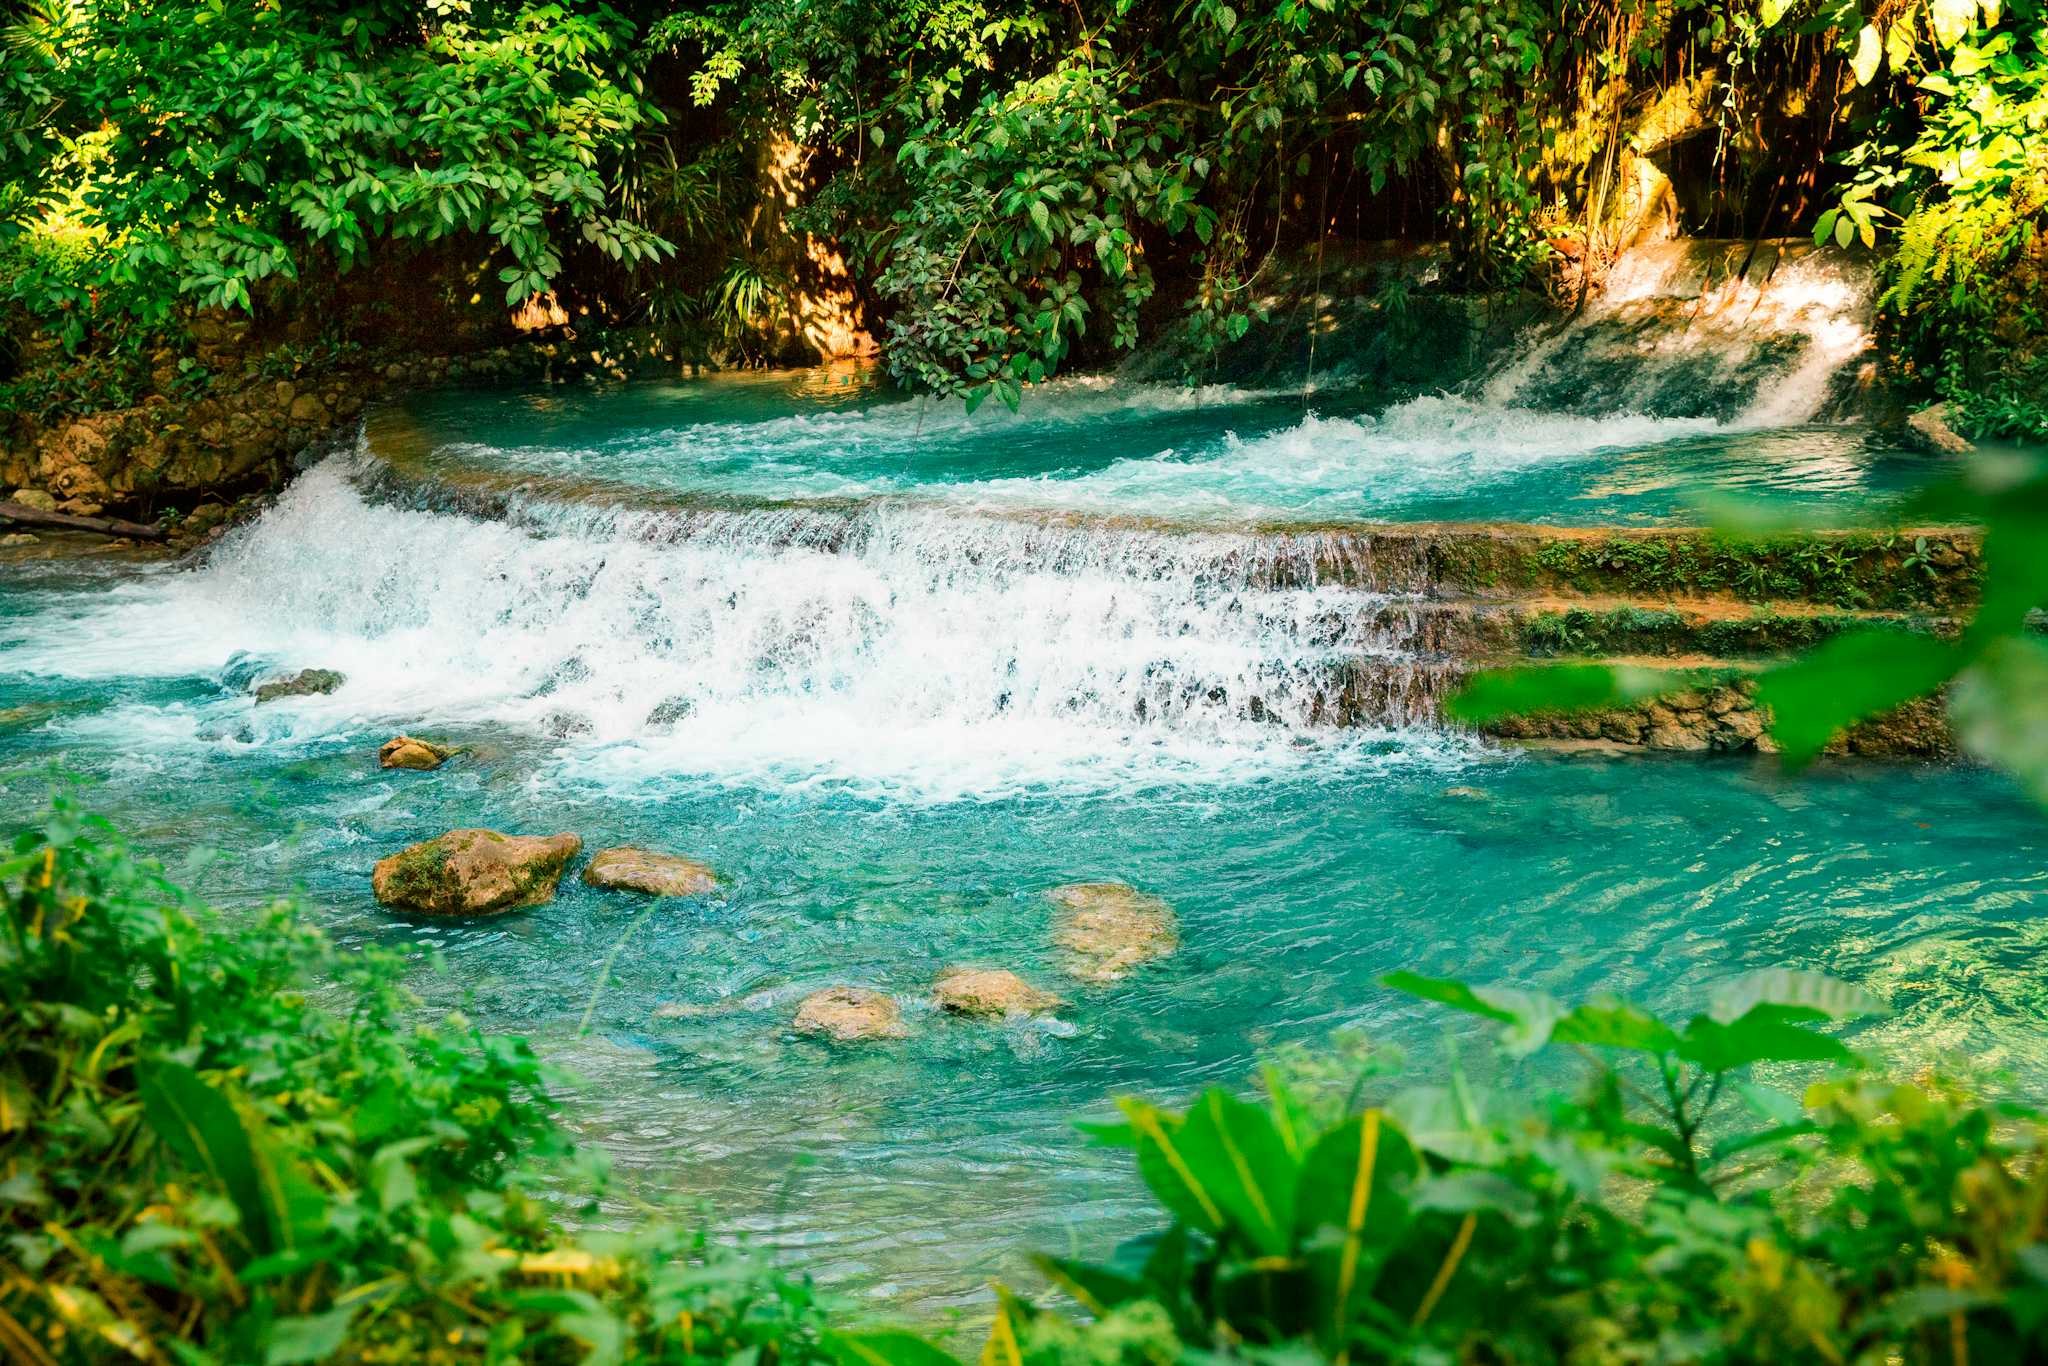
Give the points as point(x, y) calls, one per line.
point(198, 1164)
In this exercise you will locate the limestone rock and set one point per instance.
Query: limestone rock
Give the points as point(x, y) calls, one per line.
point(1108, 928)
point(642, 870)
point(850, 1014)
point(405, 751)
point(304, 683)
point(18, 538)
point(991, 992)
point(1929, 430)
point(34, 498)
point(474, 872)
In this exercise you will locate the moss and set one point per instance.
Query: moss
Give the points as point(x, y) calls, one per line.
point(1849, 569)
point(420, 874)
point(1632, 630)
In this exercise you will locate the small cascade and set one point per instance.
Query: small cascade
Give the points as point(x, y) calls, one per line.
point(1754, 333)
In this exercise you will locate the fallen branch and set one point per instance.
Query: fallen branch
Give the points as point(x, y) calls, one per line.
point(64, 521)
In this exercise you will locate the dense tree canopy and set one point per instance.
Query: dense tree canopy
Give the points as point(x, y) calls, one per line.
point(1013, 181)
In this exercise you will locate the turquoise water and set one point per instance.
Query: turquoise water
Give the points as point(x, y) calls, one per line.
point(892, 722)
point(1111, 448)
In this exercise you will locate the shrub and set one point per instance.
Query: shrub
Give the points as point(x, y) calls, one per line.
point(198, 1162)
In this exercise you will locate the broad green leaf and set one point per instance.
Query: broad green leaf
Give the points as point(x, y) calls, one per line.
point(1952, 20)
point(1240, 1159)
point(1869, 55)
point(1167, 1170)
point(1766, 1034)
point(1356, 1181)
point(1849, 679)
point(307, 1338)
point(1096, 1289)
point(1999, 708)
point(885, 1348)
point(1816, 991)
point(1614, 1024)
point(1492, 694)
point(1529, 1015)
point(202, 1128)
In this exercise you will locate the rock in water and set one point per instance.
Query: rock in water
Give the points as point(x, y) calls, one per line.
point(1929, 429)
point(404, 751)
point(850, 1014)
point(1108, 928)
point(474, 872)
point(304, 683)
point(990, 992)
point(642, 870)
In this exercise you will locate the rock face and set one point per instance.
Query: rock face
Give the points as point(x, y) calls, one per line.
point(404, 751)
point(849, 1015)
point(1108, 928)
point(990, 993)
point(642, 870)
point(304, 683)
point(474, 872)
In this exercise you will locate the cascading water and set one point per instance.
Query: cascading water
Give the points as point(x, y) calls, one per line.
point(895, 671)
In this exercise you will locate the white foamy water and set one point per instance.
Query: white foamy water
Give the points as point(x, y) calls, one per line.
point(894, 647)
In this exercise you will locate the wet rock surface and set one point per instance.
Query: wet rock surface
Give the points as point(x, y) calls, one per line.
point(1109, 928)
point(406, 751)
point(990, 993)
point(304, 683)
point(631, 869)
point(474, 872)
point(850, 1015)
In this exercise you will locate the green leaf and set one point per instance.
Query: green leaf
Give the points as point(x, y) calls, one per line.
point(1096, 1289)
point(1854, 676)
point(1615, 1024)
point(1869, 55)
point(1356, 1180)
point(1765, 1034)
point(1166, 1168)
point(1999, 708)
point(1242, 1162)
point(309, 1337)
point(1826, 996)
point(1529, 1015)
point(202, 1129)
point(1492, 694)
point(885, 1348)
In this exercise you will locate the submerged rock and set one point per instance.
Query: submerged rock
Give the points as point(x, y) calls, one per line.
point(18, 538)
point(1108, 928)
point(405, 751)
point(474, 872)
point(990, 992)
point(642, 870)
point(304, 683)
point(849, 1015)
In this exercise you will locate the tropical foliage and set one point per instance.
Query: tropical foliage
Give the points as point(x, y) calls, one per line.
point(1019, 186)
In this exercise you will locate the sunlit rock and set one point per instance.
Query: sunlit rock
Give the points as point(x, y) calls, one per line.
point(990, 993)
point(1929, 429)
point(406, 751)
point(642, 870)
point(474, 872)
point(1108, 928)
point(304, 683)
point(849, 1015)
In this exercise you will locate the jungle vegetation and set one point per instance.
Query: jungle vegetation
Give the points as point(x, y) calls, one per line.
point(1015, 188)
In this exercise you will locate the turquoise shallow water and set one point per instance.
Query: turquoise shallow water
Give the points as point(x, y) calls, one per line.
point(1108, 447)
point(892, 729)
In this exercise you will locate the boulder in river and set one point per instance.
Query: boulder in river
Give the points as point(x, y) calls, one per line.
point(849, 1015)
point(474, 872)
point(1108, 928)
point(1929, 430)
point(990, 993)
point(642, 870)
point(406, 751)
point(304, 683)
